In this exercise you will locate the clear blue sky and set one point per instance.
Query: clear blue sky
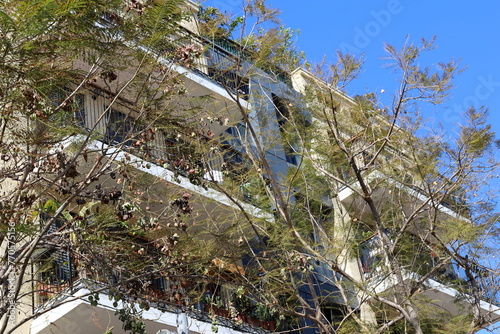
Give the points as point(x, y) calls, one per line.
point(465, 31)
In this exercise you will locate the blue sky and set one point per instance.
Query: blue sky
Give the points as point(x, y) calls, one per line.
point(466, 32)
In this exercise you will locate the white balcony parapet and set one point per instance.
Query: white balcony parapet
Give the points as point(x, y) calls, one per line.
point(165, 174)
point(205, 82)
point(439, 293)
point(77, 316)
point(348, 191)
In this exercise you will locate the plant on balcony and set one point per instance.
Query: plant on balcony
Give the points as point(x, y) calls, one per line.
point(265, 315)
point(241, 302)
point(214, 304)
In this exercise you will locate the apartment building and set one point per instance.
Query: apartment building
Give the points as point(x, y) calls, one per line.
point(216, 173)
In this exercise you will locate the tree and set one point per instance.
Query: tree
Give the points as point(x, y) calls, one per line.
point(376, 211)
point(74, 204)
point(124, 172)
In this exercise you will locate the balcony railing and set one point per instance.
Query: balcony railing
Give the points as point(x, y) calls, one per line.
point(372, 262)
point(205, 310)
point(239, 51)
point(199, 158)
point(222, 61)
point(175, 151)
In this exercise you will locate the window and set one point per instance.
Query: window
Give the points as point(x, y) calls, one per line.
point(118, 127)
point(282, 116)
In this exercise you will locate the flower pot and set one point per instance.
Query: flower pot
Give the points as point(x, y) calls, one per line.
point(217, 311)
point(253, 321)
point(242, 317)
point(270, 325)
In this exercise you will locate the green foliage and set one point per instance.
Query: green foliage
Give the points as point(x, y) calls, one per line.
point(362, 168)
point(263, 312)
point(109, 330)
point(274, 46)
point(349, 326)
point(476, 137)
point(94, 299)
point(131, 320)
point(215, 24)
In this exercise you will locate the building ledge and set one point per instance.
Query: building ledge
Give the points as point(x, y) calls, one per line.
point(73, 313)
point(119, 154)
point(435, 293)
point(348, 195)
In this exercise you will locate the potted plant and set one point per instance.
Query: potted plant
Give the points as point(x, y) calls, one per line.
point(265, 316)
point(215, 305)
point(243, 306)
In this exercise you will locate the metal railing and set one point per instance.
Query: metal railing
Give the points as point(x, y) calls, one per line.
point(421, 263)
point(198, 157)
point(200, 311)
point(221, 60)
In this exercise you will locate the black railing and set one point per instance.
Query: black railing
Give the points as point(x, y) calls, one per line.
point(372, 262)
point(203, 311)
point(222, 60)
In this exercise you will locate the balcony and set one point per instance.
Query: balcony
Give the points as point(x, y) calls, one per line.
point(72, 310)
point(70, 292)
point(412, 201)
point(372, 262)
point(440, 290)
point(196, 164)
point(229, 54)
